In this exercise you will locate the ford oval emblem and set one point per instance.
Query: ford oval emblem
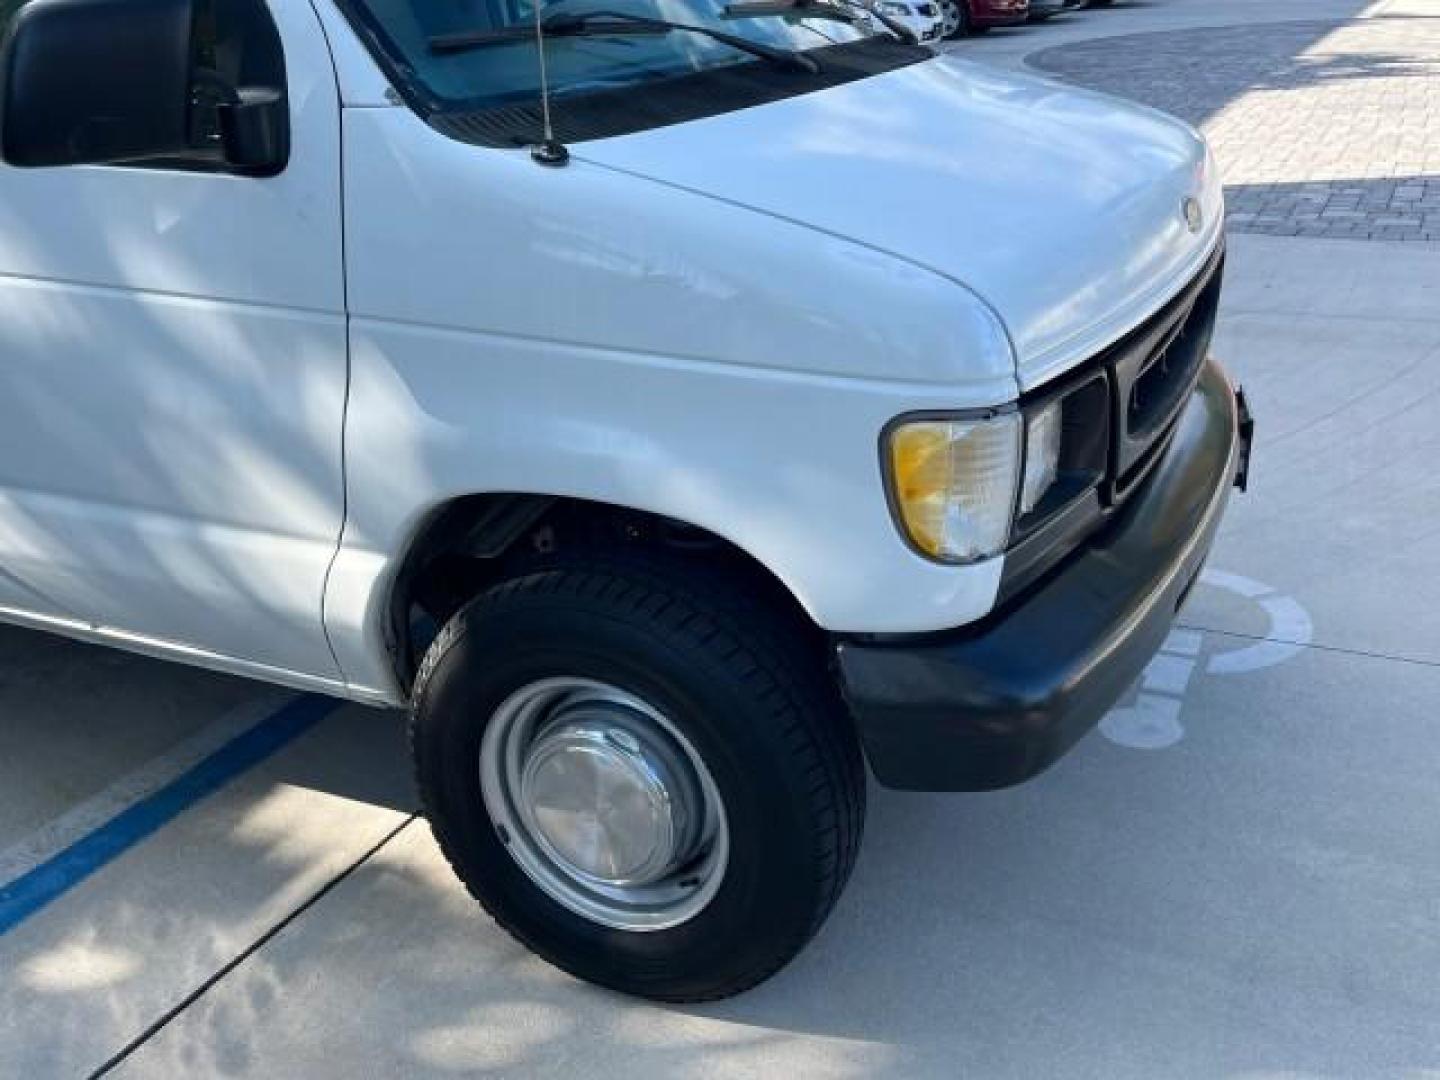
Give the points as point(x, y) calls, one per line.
point(1194, 216)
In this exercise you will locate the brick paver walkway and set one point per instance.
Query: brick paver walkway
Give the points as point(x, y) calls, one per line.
point(1320, 128)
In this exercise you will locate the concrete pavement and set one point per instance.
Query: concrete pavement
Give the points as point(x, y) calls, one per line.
point(1258, 898)
point(1324, 117)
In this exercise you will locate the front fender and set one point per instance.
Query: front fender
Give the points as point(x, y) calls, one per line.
point(581, 333)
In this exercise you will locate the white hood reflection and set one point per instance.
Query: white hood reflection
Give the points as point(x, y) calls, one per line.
point(1062, 208)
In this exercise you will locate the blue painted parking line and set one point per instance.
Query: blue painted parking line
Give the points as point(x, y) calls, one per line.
point(46, 883)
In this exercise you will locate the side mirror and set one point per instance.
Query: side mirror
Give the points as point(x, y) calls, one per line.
point(98, 82)
point(89, 82)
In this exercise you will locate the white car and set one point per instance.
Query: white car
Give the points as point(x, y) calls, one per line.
point(921, 17)
point(645, 432)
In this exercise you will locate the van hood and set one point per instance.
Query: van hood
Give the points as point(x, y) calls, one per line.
point(1062, 209)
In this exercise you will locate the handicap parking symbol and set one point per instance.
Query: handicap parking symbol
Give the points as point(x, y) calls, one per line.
point(1153, 721)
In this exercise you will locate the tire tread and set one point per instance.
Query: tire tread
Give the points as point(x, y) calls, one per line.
point(761, 645)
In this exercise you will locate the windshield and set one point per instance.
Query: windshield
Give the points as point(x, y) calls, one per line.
point(507, 72)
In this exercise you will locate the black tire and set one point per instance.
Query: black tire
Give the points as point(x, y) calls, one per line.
point(962, 25)
point(729, 667)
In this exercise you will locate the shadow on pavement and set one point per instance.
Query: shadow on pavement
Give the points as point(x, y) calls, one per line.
point(1321, 128)
point(1253, 902)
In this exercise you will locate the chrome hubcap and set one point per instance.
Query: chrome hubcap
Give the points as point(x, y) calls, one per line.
point(604, 804)
point(949, 16)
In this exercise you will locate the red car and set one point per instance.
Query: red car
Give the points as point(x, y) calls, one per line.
point(961, 17)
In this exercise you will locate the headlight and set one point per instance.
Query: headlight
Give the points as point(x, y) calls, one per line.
point(892, 9)
point(965, 489)
point(953, 484)
point(1042, 455)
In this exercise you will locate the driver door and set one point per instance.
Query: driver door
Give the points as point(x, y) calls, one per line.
point(173, 365)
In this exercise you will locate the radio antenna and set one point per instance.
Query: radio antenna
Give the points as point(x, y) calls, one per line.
point(549, 151)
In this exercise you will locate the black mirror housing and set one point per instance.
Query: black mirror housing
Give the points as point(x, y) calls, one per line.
point(89, 82)
point(255, 130)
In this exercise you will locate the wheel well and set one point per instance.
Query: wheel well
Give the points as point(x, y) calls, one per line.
point(473, 541)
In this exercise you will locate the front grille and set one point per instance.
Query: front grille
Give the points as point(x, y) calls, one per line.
point(1126, 401)
point(1152, 371)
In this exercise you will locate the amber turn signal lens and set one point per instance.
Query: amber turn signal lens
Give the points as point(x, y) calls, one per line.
point(953, 484)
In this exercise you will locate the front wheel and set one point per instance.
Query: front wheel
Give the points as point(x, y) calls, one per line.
point(954, 19)
point(644, 775)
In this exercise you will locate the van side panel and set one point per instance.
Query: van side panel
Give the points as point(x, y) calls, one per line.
point(173, 350)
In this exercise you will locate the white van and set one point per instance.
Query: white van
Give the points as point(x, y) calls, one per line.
point(670, 465)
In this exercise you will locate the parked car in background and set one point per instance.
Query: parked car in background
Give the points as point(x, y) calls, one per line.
point(962, 17)
point(920, 17)
point(1040, 10)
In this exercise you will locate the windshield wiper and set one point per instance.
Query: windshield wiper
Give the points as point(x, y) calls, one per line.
point(810, 9)
point(606, 23)
point(841, 11)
